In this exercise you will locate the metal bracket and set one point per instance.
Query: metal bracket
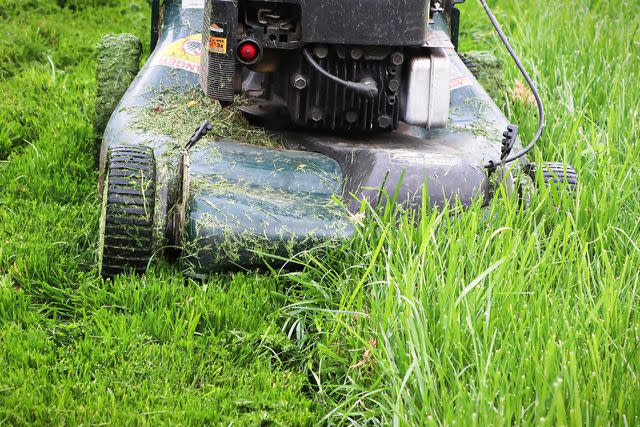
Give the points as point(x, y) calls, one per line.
point(510, 136)
point(454, 24)
point(200, 133)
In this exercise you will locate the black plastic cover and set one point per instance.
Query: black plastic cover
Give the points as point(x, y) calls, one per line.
point(365, 22)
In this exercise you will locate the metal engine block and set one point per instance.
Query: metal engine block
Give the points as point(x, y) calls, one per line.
point(385, 45)
point(317, 102)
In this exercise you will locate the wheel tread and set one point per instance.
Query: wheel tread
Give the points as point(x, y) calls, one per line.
point(558, 173)
point(129, 211)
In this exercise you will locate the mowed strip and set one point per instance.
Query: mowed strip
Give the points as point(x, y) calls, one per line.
point(74, 349)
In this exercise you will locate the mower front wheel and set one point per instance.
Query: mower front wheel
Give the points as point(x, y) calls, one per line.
point(128, 207)
point(558, 174)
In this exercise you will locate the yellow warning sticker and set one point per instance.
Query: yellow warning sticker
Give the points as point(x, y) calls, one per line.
point(183, 54)
point(217, 45)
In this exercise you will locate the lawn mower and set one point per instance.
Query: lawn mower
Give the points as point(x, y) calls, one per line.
point(259, 129)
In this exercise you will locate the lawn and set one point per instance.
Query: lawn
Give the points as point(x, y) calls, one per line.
point(484, 317)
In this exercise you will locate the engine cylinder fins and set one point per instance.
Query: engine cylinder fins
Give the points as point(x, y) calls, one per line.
point(128, 208)
point(361, 96)
point(556, 173)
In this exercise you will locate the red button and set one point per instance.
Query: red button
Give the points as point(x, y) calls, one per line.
point(248, 52)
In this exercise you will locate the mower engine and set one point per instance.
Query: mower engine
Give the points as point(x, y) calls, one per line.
point(325, 65)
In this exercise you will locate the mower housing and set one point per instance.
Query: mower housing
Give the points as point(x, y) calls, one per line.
point(223, 204)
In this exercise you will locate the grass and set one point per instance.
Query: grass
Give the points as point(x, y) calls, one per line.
point(473, 318)
point(178, 114)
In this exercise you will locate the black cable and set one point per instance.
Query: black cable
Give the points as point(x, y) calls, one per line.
point(367, 89)
point(532, 86)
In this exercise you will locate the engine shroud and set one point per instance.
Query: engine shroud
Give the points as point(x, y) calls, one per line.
point(366, 22)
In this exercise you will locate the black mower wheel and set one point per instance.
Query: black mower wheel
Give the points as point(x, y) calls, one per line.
point(470, 64)
point(481, 63)
point(488, 70)
point(128, 207)
point(558, 174)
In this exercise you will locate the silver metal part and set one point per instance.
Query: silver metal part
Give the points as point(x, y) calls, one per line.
point(427, 90)
point(438, 33)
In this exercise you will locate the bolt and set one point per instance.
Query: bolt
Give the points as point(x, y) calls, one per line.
point(394, 85)
point(384, 122)
point(397, 58)
point(299, 82)
point(356, 53)
point(321, 52)
point(316, 114)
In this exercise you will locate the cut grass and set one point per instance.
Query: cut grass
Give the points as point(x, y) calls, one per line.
point(178, 114)
point(486, 317)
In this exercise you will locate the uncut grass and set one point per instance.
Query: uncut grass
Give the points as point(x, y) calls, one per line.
point(500, 317)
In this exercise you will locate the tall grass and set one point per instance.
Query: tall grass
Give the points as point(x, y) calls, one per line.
point(500, 316)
